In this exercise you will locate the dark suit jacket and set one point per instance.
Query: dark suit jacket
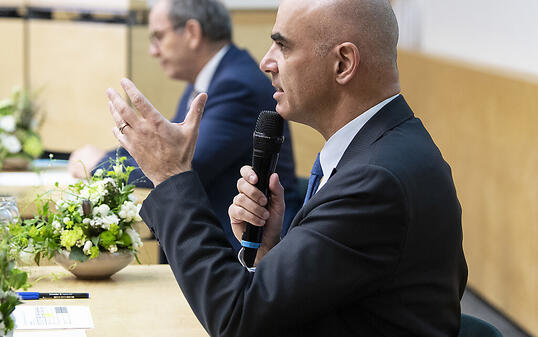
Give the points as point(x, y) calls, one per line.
point(377, 251)
point(236, 95)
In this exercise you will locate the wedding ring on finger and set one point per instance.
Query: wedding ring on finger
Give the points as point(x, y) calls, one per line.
point(122, 126)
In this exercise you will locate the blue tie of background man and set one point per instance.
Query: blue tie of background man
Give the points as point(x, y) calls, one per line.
point(313, 182)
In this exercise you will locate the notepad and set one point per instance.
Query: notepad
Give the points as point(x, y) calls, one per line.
point(42, 317)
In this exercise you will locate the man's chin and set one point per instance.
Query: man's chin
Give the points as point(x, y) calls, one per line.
point(283, 112)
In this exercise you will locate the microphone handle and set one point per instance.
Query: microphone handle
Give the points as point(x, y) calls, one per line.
point(264, 164)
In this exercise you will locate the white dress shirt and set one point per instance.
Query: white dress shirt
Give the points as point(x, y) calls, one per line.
point(334, 148)
point(203, 80)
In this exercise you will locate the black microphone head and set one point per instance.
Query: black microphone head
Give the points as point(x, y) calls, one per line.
point(270, 124)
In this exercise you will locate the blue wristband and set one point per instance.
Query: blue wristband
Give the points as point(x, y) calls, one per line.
point(248, 244)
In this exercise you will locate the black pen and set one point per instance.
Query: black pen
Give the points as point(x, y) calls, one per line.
point(30, 295)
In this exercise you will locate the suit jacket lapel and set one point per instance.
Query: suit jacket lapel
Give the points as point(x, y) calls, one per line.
point(182, 107)
point(391, 115)
point(230, 55)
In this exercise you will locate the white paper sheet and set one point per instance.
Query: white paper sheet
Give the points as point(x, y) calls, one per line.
point(42, 317)
point(50, 333)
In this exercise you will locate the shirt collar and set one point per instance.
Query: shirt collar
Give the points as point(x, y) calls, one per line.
point(201, 84)
point(334, 148)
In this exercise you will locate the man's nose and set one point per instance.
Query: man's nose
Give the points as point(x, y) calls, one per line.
point(268, 63)
point(153, 50)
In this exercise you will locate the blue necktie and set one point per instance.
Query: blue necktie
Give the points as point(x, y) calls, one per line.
point(313, 182)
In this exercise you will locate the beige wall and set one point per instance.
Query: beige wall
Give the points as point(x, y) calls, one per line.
point(74, 63)
point(12, 55)
point(150, 78)
point(485, 125)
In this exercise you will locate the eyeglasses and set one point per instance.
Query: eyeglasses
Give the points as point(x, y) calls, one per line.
point(156, 37)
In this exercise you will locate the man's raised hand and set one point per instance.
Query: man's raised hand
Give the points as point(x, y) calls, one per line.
point(161, 148)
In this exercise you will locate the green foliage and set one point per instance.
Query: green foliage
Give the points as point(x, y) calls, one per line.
point(77, 254)
point(11, 279)
point(91, 216)
point(19, 122)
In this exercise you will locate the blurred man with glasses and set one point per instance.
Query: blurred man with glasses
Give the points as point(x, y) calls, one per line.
point(192, 40)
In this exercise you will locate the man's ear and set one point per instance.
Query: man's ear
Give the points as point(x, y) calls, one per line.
point(193, 31)
point(347, 62)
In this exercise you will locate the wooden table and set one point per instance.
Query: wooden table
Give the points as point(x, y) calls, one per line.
point(137, 301)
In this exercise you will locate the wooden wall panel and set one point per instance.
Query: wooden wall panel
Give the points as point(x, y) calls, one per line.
point(486, 126)
point(150, 78)
point(252, 30)
point(75, 62)
point(12, 55)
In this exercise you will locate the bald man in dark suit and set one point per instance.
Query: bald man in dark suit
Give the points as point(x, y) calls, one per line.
point(376, 250)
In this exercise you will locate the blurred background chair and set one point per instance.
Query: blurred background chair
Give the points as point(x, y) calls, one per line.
point(475, 327)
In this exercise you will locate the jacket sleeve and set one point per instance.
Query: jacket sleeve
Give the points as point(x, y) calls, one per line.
point(136, 178)
point(337, 255)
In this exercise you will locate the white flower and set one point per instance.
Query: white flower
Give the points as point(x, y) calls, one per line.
point(57, 226)
point(84, 193)
point(96, 222)
point(80, 210)
point(8, 123)
point(129, 211)
point(66, 220)
point(97, 190)
point(118, 169)
point(98, 173)
point(11, 143)
point(113, 248)
point(87, 247)
point(104, 221)
point(101, 211)
point(110, 219)
point(86, 221)
point(132, 197)
point(2, 326)
point(135, 238)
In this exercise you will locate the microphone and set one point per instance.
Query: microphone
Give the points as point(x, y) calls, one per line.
point(267, 140)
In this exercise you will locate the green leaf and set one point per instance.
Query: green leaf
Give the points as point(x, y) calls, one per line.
point(18, 279)
point(126, 240)
point(77, 255)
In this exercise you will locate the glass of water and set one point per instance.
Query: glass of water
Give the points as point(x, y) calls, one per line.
point(9, 212)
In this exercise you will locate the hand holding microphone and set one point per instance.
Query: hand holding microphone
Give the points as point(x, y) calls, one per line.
point(257, 211)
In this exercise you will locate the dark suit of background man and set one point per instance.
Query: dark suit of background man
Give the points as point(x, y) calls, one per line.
point(376, 251)
point(191, 38)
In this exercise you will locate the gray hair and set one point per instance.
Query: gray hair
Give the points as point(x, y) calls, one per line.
point(212, 15)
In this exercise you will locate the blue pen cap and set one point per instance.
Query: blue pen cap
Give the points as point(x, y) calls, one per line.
point(28, 295)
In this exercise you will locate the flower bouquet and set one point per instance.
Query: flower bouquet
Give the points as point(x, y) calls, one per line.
point(19, 141)
point(92, 220)
point(11, 279)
